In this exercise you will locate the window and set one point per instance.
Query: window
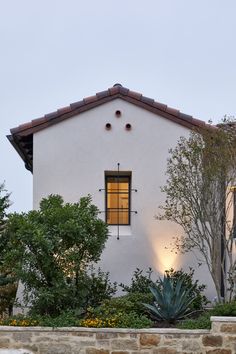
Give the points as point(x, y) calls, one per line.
point(117, 199)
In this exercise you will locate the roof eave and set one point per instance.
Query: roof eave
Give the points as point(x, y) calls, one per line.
point(17, 146)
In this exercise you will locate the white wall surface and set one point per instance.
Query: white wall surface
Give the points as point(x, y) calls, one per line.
point(70, 159)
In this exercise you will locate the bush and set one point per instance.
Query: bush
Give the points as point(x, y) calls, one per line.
point(139, 282)
point(117, 320)
point(94, 288)
point(124, 311)
point(71, 319)
point(49, 249)
point(204, 322)
point(227, 309)
point(127, 304)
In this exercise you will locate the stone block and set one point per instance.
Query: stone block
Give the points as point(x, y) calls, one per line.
point(212, 341)
point(106, 335)
point(96, 351)
point(165, 350)
point(149, 340)
point(15, 351)
point(219, 351)
point(124, 344)
point(4, 342)
point(54, 348)
point(191, 345)
point(23, 337)
point(228, 328)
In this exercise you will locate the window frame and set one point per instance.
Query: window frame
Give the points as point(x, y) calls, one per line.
point(116, 175)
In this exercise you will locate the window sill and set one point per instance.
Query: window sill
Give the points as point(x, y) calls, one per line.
point(124, 230)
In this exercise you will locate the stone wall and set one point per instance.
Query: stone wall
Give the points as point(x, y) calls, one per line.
point(221, 339)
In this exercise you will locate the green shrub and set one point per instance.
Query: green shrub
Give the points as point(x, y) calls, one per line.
point(172, 299)
point(202, 322)
point(49, 250)
point(133, 320)
point(94, 288)
point(124, 311)
point(116, 320)
point(132, 302)
point(227, 309)
point(66, 319)
point(139, 282)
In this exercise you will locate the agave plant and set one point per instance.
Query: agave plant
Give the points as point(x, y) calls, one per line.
point(172, 299)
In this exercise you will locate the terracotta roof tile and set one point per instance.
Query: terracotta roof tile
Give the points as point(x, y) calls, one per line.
point(102, 94)
point(51, 115)
point(173, 111)
point(24, 132)
point(125, 91)
point(160, 106)
point(76, 105)
point(39, 120)
point(90, 99)
point(135, 95)
point(147, 100)
point(113, 90)
point(64, 110)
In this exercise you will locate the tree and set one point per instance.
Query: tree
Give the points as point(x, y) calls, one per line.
point(4, 205)
point(50, 248)
point(8, 282)
point(201, 172)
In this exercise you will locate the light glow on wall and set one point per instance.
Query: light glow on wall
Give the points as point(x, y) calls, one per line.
point(165, 259)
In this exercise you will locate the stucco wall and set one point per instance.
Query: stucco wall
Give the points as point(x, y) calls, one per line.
point(70, 159)
point(220, 340)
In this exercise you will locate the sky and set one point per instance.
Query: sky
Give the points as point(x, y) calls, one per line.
point(53, 52)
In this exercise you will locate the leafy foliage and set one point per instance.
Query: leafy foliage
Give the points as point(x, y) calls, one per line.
point(204, 322)
point(127, 303)
point(49, 250)
point(172, 299)
point(139, 282)
point(8, 284)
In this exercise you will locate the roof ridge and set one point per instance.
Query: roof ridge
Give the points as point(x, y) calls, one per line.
point(115, 90)
point(22, 136)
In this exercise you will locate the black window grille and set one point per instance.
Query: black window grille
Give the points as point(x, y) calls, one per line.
point(117, 201)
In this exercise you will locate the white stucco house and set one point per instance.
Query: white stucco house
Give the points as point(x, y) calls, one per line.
point(114, 146)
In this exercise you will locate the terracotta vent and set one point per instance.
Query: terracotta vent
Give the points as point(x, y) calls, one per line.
point(128, 126)
point(118, 113)
point(108, 126)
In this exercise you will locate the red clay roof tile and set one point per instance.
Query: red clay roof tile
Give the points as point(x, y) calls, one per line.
point(24, 132)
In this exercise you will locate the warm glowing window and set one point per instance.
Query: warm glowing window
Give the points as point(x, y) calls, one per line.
point(118, 200)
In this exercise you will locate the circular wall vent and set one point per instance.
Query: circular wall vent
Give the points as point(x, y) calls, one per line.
point(128, 126)
point(108, 126)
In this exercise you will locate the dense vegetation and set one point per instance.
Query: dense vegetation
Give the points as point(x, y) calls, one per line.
point(53, 251)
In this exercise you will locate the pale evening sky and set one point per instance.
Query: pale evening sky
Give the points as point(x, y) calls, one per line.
point(54, 52)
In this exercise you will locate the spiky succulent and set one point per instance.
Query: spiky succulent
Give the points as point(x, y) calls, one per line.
point(172, 299)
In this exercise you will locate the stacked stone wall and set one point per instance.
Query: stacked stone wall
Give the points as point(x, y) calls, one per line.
point(221, 339)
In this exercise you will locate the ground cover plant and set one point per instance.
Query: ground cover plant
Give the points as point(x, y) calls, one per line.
point(204, 322)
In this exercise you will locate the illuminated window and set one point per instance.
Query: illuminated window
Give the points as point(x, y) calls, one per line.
point(118, 200)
